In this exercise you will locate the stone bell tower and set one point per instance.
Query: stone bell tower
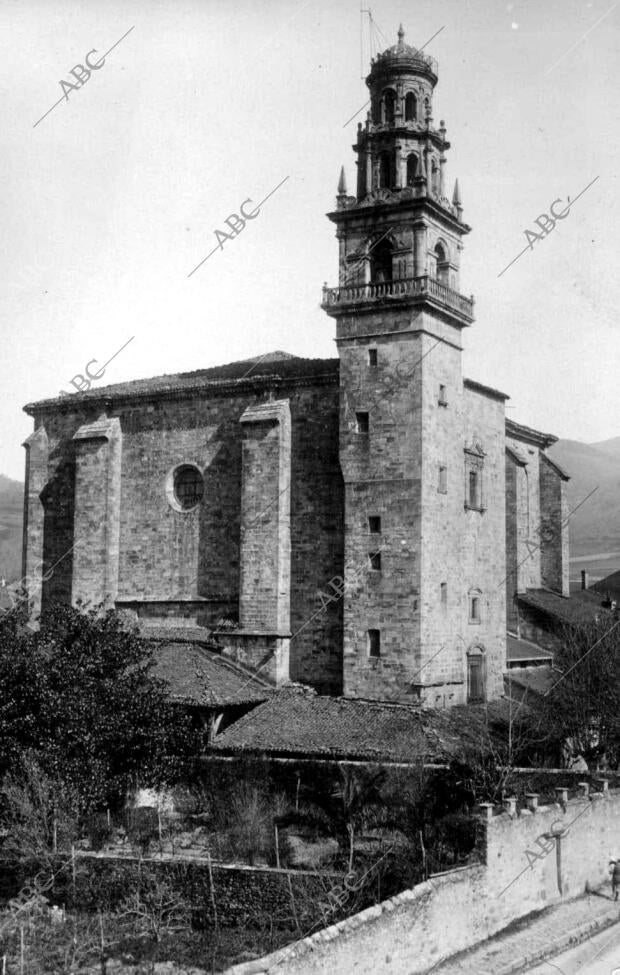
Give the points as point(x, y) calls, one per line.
point(399, 318)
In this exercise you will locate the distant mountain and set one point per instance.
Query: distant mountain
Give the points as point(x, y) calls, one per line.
point(11, 520)
point(610, 447)
point(595, 525)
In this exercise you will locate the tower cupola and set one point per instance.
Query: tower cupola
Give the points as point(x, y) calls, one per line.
point(400, 235)
point(399, 150)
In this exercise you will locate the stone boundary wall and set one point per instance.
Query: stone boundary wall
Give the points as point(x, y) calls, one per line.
point(243, 895)
point(534, 857)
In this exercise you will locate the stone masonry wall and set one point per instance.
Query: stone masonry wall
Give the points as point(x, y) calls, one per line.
point(381, 470)
point(484, 555)
point(406, 935)
point(512, 470)
point(528, 519)
point(98, 449)
point(554, 552)
point(441, 439)
point(185, 565)
point(265, 597)
point(37, 459)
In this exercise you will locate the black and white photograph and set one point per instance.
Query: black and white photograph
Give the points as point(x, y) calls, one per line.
point(310, 487)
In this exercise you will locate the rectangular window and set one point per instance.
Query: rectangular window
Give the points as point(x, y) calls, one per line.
point(375, 561)
point(374, 525)
point(362, 423)
point(474, 490)
point(442, 481)
point(374, 643)
point(372, 358)
point(442, 400)
point(444, 593)
point(474, 478)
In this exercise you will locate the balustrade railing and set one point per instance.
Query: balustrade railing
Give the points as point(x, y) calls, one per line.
point(400, 287)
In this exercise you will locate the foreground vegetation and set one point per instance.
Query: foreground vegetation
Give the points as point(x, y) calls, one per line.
point(84, 723)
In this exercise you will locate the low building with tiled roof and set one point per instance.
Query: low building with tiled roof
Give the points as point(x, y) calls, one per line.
point(363, 523)
point(214, 688)
point(200, 678)
point(530, 684)
point(524, 653)
point(296, 723)
point(544, 615)
point(608, 587)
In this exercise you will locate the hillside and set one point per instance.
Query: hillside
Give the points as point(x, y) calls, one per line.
point(595, 525)
point(11, 518)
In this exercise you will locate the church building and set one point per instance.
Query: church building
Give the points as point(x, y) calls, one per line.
point(364, 524)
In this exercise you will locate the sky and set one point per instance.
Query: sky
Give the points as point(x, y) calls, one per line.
point(114, 197)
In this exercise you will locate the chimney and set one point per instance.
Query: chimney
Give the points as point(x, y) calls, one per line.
point(585, 582)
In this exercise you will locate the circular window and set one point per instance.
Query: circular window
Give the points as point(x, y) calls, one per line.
point(185, 488)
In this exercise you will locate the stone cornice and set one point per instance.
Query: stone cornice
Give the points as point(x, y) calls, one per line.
point(529, 435)
point(403, 207)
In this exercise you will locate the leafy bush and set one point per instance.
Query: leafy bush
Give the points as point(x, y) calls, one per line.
point(79, 696)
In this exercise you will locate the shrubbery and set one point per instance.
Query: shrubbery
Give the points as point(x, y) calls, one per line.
point(79, 698)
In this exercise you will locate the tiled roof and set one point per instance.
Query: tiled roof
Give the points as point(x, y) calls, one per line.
point(579, 607)
point(610, 583)
point(177, 633)
point(296, 721)
point(517, 650)
point(275, 365)
point(534, 680)
point(198, 677)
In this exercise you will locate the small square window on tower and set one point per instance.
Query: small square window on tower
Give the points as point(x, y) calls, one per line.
point(374, 643)
point(374, 525)
point(372, 358)
point(375, 561)
point(362, 424)
point(442, 480)
point(443, 396)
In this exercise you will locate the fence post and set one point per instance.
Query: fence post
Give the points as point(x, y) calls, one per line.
point(275, 826)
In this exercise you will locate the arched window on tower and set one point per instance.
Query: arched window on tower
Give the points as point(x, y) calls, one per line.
point(411, 107)
point(381, 262)
point(375, 109)
point(389, 102)
point(386, 170)
point(440, 265)
point(412, 168)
